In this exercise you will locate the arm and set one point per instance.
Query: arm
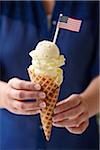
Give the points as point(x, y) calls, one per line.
point(73, 113)
point(91, 96)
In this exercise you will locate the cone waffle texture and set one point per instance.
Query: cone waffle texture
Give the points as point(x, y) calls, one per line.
point(52, 91)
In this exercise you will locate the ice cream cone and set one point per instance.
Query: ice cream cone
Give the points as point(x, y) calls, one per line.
point(52, 91)
point(46, 70)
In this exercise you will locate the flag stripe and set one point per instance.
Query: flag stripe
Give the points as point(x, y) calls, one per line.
point(72, 24)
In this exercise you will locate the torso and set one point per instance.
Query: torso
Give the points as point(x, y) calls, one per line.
point(20, 31)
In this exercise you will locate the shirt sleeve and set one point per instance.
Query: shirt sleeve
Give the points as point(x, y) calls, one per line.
point(95, 64)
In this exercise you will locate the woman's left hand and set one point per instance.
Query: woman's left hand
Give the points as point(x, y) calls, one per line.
point(72, 113)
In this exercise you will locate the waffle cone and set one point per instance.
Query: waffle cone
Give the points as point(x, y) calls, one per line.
point(52, 91)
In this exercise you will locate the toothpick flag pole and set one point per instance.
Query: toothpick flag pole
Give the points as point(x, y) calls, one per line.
point(57, 30)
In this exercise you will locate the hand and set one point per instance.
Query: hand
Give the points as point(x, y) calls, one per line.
point(72, 113)
point(14, 94)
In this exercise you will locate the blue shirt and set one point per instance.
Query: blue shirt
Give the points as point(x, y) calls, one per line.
point(22, 26)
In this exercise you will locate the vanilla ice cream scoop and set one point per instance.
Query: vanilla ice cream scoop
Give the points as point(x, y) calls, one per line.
point(46, 50)
point(46, 60)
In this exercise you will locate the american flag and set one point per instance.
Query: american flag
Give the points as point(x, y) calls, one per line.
point(68, 23)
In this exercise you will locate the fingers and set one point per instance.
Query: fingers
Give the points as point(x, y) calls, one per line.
point(23, 112)
point(21, 84)
point(25, 108)
point(28, 105)
point(67, 104)
point(80, 129)
point(72, 113)
point(72, 122)
point(24, 95)
point(18, 91)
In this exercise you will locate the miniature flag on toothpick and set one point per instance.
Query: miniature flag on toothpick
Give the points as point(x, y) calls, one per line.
point(68, 23)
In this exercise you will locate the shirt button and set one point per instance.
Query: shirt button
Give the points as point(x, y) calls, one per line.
point(40, 127)
point(54, 22)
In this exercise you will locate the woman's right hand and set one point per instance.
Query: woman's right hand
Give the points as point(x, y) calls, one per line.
point(14, 94)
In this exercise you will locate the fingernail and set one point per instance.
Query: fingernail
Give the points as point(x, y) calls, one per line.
point(42, 95)
point(53, 123)
point(42, 105)
point(39, 111)
point(55, 110)
point(77, 126)
point(37, 86)
point(53, 119)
